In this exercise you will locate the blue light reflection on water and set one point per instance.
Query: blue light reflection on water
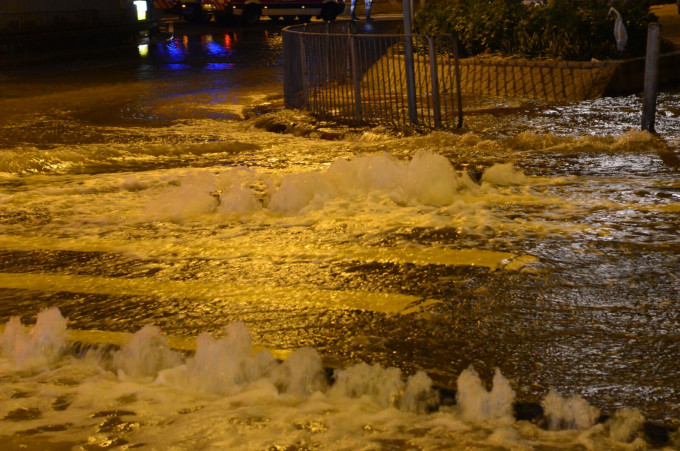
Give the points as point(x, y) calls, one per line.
point(219, 51)
point(212, 63)
point(219, 66)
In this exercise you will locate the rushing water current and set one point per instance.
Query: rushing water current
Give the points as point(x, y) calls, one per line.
point(293, 284)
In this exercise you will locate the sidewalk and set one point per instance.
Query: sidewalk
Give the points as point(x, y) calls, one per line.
point(670, 22)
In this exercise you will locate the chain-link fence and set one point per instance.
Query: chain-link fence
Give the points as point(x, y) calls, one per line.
point(361, 74)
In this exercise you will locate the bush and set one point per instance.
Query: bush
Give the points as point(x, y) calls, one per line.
point(567, 29)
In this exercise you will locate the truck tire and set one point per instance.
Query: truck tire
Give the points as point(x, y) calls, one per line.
point(251, 15)
point(196, 16)
point(225, 19)
point(328, 12)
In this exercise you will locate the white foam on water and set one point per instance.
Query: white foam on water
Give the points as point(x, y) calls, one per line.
point(145, 354)
point(39, 346)
point(625, 425)
point(503, 175)
point(231, 210)
point(380, 180)
point(239, 201)
point(227, 395)
point(478, 405)
point(569, 413)
point(191, 199)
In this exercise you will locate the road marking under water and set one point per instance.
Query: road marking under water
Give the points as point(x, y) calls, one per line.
point(95, 337)
point(300, 296)
point(179, 343)
point(217, 250)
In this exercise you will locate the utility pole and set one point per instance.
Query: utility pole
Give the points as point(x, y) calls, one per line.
point(408, 62)
point(651, 77)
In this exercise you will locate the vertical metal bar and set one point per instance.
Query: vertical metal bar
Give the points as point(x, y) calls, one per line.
point(445, 60)
point(651, 77)
point(328, 54)
point(331, 83)
point(364, 46)
point(458, 93)
point(398, 70)
point(320, 79)
point(318, 70)
point(349, 86)
point(303, 71)
point(422, 88)
point(311, 74)
point(356, 79)
point(435, 83)
point(402, 74)
point(387, 77)
point(338, 74)
point(443, 83)
point(374, 79)
point(408, 63)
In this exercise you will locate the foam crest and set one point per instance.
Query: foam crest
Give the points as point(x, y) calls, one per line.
point(569, 413)
point(302, 373)
point(386, 387)
point(222, 365)
point(192, 198)
point(431, 180)
point(418, 396)
point(145, 354)
point(625, 424)
point(427, 180)
point(504, 175)
point(299, 193)
point(633, 140)
point(40, 345)
point(383, 385)
point(238, 201)
point(477, 405)
point(228, 395)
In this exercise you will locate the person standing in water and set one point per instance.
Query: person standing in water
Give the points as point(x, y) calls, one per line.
point(367, 7)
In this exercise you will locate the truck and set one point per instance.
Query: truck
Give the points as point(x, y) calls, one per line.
point(192, 11)
point(250, 11)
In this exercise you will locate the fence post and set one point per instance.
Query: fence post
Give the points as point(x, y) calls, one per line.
point(328, 53)
point(408, 63)
point(651, 77)
point(435, 83)
point(356, 78)
point(456, 71)
point(303, 72)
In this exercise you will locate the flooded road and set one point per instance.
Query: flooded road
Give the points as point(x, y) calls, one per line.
point(534, 252)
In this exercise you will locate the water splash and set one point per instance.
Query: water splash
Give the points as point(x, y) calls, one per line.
point(229, 394)
point(40, 345)
point(569, 413)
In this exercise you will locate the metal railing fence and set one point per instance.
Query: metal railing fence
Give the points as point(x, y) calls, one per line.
point(365, 78)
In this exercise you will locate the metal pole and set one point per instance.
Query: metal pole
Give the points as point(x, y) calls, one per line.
point(303, 72)
point(651, 77)
point(408, 62)
point(459, 96)
point(435, 83)
point(356, 78)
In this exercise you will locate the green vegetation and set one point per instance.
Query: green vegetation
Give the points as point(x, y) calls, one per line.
point(577, 30)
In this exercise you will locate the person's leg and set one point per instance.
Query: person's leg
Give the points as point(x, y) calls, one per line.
point(352, 10)
point(369, 4)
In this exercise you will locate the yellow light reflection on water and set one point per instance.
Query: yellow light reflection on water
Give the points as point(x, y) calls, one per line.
point(141, 9)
